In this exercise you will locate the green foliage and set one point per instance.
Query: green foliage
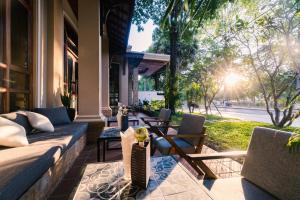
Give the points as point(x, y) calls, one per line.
point(146, 84)
point(157, 104)
point(193, 93)
point(294, 143)
point(66, 99)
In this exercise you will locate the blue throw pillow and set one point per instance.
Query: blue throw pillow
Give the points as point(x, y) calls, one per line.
point(57, 116)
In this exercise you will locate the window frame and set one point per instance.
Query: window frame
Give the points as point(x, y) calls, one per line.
point(7, 64)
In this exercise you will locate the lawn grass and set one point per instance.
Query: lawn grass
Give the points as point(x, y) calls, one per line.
point(227, 133)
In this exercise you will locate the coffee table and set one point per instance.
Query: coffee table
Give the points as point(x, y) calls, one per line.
point(109, 134)
point(169, 180)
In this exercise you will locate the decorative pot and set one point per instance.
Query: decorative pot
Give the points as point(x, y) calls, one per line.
point(124, 122)
point(140, 164)
point(71, 113)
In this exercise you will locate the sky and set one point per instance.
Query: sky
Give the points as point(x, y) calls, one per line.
point(141, 41)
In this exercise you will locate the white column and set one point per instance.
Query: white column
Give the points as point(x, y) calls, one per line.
point(89, 60)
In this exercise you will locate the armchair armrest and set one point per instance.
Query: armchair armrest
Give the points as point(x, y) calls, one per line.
point(156, 120)
point(220, 155)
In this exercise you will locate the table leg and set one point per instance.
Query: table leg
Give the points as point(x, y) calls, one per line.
point(98, 150)
point(103, 150)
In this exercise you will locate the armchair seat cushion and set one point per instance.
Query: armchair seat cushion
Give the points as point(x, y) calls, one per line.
point(164, 146)
point(235, 188)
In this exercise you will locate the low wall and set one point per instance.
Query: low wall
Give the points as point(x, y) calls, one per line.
point(150, 95)
point(43, 188)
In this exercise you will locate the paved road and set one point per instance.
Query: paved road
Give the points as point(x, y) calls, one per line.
point(246, 114)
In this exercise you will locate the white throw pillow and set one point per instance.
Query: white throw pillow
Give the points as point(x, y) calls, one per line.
point(12, 134)
point(39, 122)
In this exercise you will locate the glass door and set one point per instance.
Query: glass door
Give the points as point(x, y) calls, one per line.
point(15, 55)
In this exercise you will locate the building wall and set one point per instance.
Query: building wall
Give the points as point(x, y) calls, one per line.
point(124, 79)
point(105, 109)
point(48, 73)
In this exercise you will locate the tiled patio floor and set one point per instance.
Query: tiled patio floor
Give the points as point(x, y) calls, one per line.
point(66, 189)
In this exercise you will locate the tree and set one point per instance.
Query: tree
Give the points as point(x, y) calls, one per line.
point(193, 96)
point(207, 75)
point(270, 41)
point(178, 16)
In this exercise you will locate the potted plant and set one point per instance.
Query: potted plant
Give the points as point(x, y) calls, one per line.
point(66, 99)
point(140, 158)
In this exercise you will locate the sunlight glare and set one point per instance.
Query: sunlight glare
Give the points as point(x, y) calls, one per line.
point(232, 78)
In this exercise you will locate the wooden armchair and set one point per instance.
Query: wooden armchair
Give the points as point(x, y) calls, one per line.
point(189, 138)
point(270, 171)
point(162, 121)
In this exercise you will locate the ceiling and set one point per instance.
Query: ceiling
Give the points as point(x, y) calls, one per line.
point(116, 15)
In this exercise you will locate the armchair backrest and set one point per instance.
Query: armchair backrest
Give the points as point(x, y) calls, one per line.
point(191, 124)
point(164, 114)
point(271, 166)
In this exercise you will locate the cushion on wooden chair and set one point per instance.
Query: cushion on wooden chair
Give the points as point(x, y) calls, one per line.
point(271, 166)
point(164, 114)
point(191, 124)
point(164, 146)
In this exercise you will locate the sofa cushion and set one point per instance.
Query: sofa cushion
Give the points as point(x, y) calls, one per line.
point(235, 189)
point(19, 118)
point(271, 166)
point(57, 116)
point(21, 167)
point(74, 131)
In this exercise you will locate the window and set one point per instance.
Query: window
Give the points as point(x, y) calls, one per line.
point(1, 31)
point(15, 62)
point(19, 34)
point(114, 87)
point(71, 62)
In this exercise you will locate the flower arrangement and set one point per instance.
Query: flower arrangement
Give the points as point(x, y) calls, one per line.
point(123, 110)
point(142, 136)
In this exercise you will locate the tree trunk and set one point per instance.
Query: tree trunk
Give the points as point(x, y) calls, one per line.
point(173, 59)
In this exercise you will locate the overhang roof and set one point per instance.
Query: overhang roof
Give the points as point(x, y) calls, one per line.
point(147, 63)
point(117, 15)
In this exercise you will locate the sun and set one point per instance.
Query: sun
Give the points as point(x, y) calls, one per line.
point(232, 79)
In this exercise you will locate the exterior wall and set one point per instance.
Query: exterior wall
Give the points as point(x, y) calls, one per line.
point(105, 109)
point(48, 49)
point(55, 54)
point(150, 95)
point(123, 85)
